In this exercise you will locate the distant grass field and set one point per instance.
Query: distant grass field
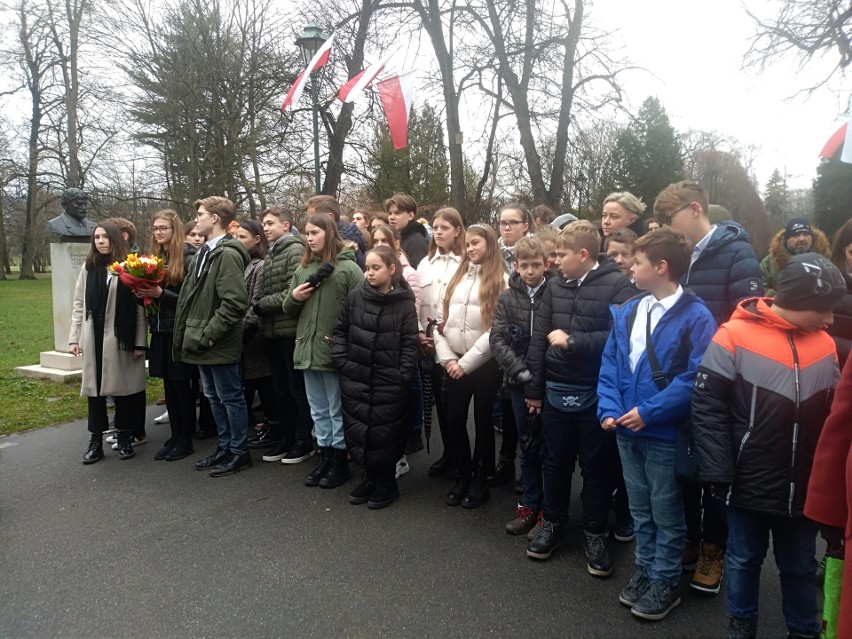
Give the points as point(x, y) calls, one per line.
point(26, 329)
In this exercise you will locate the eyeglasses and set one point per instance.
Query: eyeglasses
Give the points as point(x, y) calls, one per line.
point(667, 219)
point(161, 229)
point(507, 224)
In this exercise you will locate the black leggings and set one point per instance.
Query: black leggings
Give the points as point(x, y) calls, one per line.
point(482, 386)
point(180, 402)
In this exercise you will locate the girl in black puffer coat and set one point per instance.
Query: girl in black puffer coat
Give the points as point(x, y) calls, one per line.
point(374, 349)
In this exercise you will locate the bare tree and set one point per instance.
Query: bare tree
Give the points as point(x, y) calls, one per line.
point(804, 29)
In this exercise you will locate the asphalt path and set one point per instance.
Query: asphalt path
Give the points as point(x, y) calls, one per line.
point(144, 548)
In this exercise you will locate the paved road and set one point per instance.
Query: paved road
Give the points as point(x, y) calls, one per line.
point(139, 548)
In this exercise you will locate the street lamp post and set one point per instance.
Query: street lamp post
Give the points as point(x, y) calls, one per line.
point(309, 42)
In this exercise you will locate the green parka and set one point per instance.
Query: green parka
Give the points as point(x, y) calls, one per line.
point(211, 307)
point(317, 314)
point(278, 269)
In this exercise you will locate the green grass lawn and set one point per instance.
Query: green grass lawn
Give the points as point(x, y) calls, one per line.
point(26, 326)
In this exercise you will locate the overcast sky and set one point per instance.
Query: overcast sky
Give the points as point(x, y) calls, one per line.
point(695, 49)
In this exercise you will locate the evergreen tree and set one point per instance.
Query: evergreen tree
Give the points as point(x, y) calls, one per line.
point(832, 195)
point(775, 197)
point(647, 155)
point(421, 169)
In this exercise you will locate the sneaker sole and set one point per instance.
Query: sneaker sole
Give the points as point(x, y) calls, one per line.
point(656, 616)
point(598, 573)
point(233, 472)
point(296, 460)
point(710, 590)
point(378, 505)
point(357, 501)
point(541, 556)
point(626, 601)
point(273, 458)
point(624, 538)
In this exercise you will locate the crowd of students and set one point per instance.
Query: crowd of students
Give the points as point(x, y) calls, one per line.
point(646, 351)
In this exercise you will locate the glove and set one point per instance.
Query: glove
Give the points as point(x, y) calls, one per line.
point(834, 539)
point(321, 275)
point(257, 310)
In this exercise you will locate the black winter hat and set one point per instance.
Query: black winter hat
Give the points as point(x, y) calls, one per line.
point(797, 225)
point(810, 282)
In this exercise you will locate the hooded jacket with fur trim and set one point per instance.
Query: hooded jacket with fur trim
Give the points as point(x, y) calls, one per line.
point(778, 257)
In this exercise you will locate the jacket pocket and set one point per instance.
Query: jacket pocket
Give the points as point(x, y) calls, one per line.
point(193, 337)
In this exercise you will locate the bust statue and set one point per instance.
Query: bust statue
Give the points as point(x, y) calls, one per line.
point(72, 225)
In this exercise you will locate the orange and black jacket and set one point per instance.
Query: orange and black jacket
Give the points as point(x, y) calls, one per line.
point(762, 393)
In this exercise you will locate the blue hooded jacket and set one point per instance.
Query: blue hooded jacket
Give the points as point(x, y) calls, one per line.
point(680, 339)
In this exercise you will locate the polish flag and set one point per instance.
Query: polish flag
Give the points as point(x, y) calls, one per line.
point(396, 94)
point(354, 89)
point(317, 62)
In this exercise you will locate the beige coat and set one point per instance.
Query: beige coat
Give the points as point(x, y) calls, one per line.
point(121, 375)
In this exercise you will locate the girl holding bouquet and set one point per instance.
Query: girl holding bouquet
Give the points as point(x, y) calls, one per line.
point(108, 330)
point(168, 244)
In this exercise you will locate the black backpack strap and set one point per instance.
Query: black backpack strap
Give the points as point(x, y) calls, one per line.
point(657, 373)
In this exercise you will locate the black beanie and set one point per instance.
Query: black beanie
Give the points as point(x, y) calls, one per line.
point(797, 225)
point(810, 282)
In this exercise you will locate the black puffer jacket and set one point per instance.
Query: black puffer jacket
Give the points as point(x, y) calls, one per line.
point(414, 241)
point(726, 272)
point(582, 312)
point(281, 262)
point(374, 348)
point(514, 308)
point(164, 320)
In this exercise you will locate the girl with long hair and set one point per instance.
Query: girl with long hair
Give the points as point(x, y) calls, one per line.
point(318, 290)
point(841, 256)
point(108, 330)
point(464, 352)
point(375, 352)
point(257, 376)
point(168, 242)
point(435, 272)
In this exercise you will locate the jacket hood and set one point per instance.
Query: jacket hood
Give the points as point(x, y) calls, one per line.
point(757, 309)
point(780, 254)
point(402, 291)
point(412, 228)
point(725, 233)
point(289, 239)
point(228, 241)
point(517, 283)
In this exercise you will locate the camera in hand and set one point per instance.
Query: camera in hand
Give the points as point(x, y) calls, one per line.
point(321, 275)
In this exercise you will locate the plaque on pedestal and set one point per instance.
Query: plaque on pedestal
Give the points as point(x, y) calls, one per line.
point(66, 260)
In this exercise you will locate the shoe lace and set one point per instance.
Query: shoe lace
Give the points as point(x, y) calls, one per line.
point(707, 562)
point(595, 543)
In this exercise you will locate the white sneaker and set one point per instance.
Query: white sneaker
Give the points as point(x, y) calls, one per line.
point(112, 439)
point(134, 442)
point(162, 419)
point(402, 467)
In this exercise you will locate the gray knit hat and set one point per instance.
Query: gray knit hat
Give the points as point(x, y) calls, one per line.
point(810, 282)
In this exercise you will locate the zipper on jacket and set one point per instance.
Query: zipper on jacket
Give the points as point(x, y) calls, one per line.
point(751, 412)
point(798, 398)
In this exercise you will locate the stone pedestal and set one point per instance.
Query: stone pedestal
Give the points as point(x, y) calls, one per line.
point(66, 260)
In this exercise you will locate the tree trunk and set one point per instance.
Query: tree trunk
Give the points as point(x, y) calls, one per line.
point(31, 212)
point(430, 15)
point(5, 267)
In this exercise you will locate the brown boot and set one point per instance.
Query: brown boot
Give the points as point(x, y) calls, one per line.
point(708, 574)
point(524, 521)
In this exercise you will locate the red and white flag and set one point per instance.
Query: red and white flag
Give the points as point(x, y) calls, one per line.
point(842, 138)
point(317, 62)
point(397, 94)
point(354, 89)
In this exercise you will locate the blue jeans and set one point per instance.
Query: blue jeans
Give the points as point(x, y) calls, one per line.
point(323, 389)
point(794, 544)
point(531, 480)
point(656, 505)
point(223, 387)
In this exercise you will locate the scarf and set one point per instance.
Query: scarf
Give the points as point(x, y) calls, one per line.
point(124, 325)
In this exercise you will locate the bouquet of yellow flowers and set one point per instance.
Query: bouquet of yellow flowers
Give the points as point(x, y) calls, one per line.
point(140, 272)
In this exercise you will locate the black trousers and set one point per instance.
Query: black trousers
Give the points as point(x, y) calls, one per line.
point(206, 422)
point(180, 402)
point(713, 526)
point(482, 386)
point(265, 389)
point(439, 399)
point(509, 443)
point(294, 411)
point(129, 413)
point(565, 437)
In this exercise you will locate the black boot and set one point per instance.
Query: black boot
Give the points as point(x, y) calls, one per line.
point(95, 451)
point(323, 466)
point(385, 494)
point(442, 466)
point(477, 494)
point(339, 472)
point(125, 448)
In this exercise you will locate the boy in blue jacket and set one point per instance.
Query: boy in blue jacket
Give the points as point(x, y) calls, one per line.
point(645, 417)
